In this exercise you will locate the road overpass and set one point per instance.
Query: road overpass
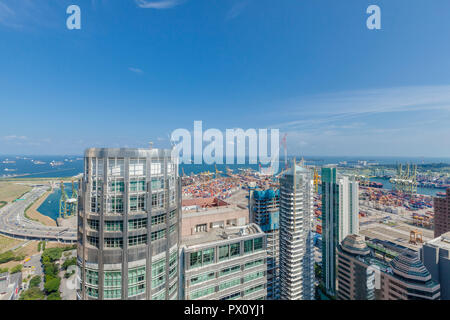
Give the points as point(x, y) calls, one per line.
point(14, 224)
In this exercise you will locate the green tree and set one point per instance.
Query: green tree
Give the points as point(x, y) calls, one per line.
point(32, 294)
point(35, 281)
point(52, 254)
point(52, 285)
point(69, 262)
point(54, 296)
point(16, 269)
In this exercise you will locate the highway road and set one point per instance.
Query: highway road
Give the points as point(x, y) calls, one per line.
point(13, 222)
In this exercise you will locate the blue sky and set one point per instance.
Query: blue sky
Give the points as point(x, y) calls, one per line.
point(139, 69)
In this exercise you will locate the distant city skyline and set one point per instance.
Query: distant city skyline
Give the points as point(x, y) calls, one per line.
point(139, 69)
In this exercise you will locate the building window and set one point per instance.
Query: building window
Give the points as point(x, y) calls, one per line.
point(229, 284)
point(136, 281)
point(112, 293)
point(195, 259)
point(202, 292)
point(115, 204)
point(248, 246)
point(137, 224)
point(235, 249)
point(92, 292)
point(200, 228)
point(223, 252)
point(137, 167)
point(116, 186)
point(113, 279)
point(113, 242)
point(93, 224)
point(254, 289)
point(113, 225)
point(258, 244)
point(159, 219)
point(158, 267)
point(161, 234)
point(137, 186)
point(157, 184)
point(137, 240)
point(93, 241)
point(230, 270)
point(202, 278)
point(91, 277)
point(156, 168)
point(159, 296)
point(253, 264)
point(137, 203)
point(253, 276)
point(208, 256)
point(115, 167)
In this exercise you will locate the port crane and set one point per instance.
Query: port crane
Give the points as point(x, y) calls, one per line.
point(405, 180)
point(68, 206)
point(217, 172)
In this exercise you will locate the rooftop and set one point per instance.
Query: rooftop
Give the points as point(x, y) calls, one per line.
point(442, 241)
point(220, 234)
point(196, 210)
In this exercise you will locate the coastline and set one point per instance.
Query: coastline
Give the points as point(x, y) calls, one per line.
point(34, 214)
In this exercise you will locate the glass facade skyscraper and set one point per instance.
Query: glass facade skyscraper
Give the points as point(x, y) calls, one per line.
point(128, 225)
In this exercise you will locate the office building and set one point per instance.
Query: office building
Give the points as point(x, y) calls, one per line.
point(264, 211)
point(296, 240)
point(128, 224)
point(364, 275)
point(435, 255)
point(204, 214)
point(340, 210)
point(226, 263)
point(442, 214)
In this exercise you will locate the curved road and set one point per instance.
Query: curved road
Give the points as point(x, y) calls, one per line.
point(13, 222)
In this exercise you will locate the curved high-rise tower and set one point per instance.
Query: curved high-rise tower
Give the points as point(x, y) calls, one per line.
point(296, 242)
point(128, 224)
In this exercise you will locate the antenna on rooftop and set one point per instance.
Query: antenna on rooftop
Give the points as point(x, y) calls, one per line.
point(150, 145)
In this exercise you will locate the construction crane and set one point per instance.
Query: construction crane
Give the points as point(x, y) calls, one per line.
point(217, 171)
point(317, 181)
point(405, 180)
point(68, 207)
point(63, 202)
point(415, 237)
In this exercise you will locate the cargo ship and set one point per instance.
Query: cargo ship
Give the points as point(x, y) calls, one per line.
point(373, 184)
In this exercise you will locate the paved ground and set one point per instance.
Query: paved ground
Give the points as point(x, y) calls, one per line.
point(68, 286)
point(399, 232)
point(239, 198)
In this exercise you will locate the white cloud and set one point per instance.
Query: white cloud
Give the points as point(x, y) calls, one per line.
point(161, 4)
point(13, 138)
point(136, 70)
point(409, 121)
point(236, 9)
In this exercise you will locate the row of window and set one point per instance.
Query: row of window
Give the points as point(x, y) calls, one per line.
point(136, 279)
point(115, 203)
point(228, 251)
point(230, 270)
point(117, 185)
point(132, 240)
point(134, 224)
point(225, 285)
point(116, 166)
